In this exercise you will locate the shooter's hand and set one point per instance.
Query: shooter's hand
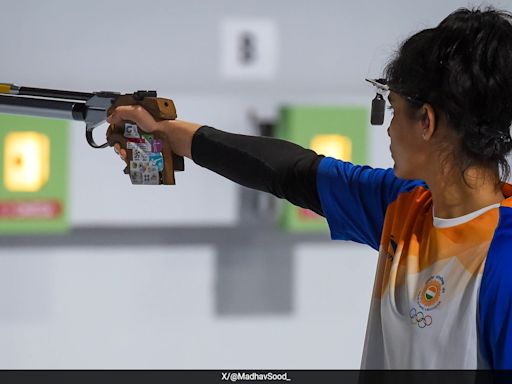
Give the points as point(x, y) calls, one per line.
point(137, 115)
point(176, 132)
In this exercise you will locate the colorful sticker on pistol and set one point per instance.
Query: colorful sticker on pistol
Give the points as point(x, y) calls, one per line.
point(156, 146)
point(139, 155)
point(131, 130)
point(136, 177)
point(140, 144)
point(144, 172)
point(148, 137)
point(147, 162)
point(151, 178)
point(145, 146)
point(142, 166)
point(158, 160)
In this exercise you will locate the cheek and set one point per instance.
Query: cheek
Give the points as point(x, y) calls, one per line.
point(402, 134)
point(403, 145)
point(396, 134)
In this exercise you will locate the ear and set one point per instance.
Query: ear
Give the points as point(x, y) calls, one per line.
point(428, 121)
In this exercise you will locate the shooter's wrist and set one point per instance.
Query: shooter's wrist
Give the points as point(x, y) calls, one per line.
point(179, 135)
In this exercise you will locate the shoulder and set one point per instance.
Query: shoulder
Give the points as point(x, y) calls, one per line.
point(500, 251)
point(333, 171)
point(355, 198)
point(495, 297)
point(498, 265)
point(334, 168)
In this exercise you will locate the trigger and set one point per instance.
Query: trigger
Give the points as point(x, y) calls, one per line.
point(90, 140)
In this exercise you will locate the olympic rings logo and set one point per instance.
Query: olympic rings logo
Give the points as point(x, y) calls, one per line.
point(420, 319)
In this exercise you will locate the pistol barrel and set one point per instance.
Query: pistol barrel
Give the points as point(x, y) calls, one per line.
point(56, 109)
point(42, 102)
point(13, 89)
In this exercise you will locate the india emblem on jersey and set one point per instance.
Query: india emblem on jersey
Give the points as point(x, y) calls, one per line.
point(429, 297)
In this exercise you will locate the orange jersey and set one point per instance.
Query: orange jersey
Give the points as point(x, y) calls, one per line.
point(428, 309)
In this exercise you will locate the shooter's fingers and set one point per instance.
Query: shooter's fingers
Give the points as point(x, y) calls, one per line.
point(120, 151)
point(134, 113)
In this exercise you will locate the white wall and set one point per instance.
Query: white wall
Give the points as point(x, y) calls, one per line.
point(103, 307)
point(106, 307)
point(325, 46)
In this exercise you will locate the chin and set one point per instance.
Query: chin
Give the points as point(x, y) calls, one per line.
point(402, 173)
point(396, 171)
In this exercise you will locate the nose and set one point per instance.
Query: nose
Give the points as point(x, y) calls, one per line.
point(388, 131)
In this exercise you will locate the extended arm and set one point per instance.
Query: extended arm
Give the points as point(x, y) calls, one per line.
point(281, 168)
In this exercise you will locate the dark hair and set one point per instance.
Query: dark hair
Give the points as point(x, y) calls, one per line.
point(463, 68)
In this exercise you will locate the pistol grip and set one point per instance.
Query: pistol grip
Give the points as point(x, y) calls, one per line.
point(160, 109)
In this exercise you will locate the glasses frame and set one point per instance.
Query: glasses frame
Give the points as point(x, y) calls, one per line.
point(379, 102)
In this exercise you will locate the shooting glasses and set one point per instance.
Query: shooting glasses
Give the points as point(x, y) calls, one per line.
point(379, 101)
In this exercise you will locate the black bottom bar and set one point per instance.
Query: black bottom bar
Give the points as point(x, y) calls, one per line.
point(254, 376)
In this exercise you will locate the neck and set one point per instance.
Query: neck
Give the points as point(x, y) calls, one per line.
point(452, 197)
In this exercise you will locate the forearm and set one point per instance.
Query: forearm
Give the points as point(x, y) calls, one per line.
point(276, 166)
point(281, 168)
